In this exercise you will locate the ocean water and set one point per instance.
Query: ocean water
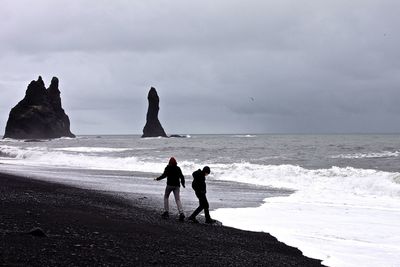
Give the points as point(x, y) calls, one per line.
point(345, 205)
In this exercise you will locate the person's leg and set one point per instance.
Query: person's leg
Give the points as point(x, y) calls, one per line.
point(196, 212)
point(176, 191)
point(204, 204)
point(199, 208)
point(168, 190)
point(206, 208)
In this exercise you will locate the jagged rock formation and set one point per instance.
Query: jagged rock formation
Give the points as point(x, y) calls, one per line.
point(153, 126)
point(39, 115)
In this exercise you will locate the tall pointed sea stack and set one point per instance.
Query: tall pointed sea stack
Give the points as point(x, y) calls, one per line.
point(39, 115)
point(153, 126)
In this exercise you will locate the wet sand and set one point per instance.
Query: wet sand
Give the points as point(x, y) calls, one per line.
point(91, 228)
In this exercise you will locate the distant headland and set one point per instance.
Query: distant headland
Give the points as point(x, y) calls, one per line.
point(39, 115)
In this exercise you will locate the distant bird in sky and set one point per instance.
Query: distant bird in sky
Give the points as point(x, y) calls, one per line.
point(252, 99)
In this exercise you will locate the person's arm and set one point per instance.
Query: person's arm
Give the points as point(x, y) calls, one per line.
point(162, 175)
point(182, 178)
point(203, 185)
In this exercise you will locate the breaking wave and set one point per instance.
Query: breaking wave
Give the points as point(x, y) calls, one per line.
point(385, 154)
point(333, 181)
point(61, 157)
point(93, 149)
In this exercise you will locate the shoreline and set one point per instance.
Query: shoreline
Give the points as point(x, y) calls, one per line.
point(88, 227)
point(140, 186)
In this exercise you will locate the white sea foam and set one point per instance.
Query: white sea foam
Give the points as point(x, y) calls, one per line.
point(93, 149)
point(344, 216)
point(385, 154)
point(244, 136)
point(182, 135)
point(67, 138)
point(356, 232)
point(349, 181)
point(42, 156)
point(10, 140)
point(153, 138)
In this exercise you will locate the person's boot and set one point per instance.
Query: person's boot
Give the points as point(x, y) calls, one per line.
point(208, 217)
point(165, 215)
point(181, 217)
point(210, 221)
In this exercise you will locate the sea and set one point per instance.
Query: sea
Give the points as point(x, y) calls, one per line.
point(344, 207)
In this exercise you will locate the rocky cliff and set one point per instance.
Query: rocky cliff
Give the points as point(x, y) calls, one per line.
point(39, 115)
point(153, 126)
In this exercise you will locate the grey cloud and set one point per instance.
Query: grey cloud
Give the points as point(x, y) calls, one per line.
point(318, 66)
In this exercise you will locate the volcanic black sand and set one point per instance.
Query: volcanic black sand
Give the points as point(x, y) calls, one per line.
point(89, 228)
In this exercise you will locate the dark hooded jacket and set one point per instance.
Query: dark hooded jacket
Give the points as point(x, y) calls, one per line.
point(199, 181)
point(173, 174)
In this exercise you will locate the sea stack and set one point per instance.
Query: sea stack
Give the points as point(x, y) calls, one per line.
point(153, 126)
point(39, 115)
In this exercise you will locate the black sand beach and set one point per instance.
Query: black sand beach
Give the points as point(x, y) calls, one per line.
point(89, 228)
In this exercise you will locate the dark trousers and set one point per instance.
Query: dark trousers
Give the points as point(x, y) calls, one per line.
point(203, 204)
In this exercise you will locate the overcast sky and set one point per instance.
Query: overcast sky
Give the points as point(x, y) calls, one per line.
point(221, 66)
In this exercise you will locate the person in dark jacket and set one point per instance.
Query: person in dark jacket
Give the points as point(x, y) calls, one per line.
point(174, 178)
point(199, 187)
